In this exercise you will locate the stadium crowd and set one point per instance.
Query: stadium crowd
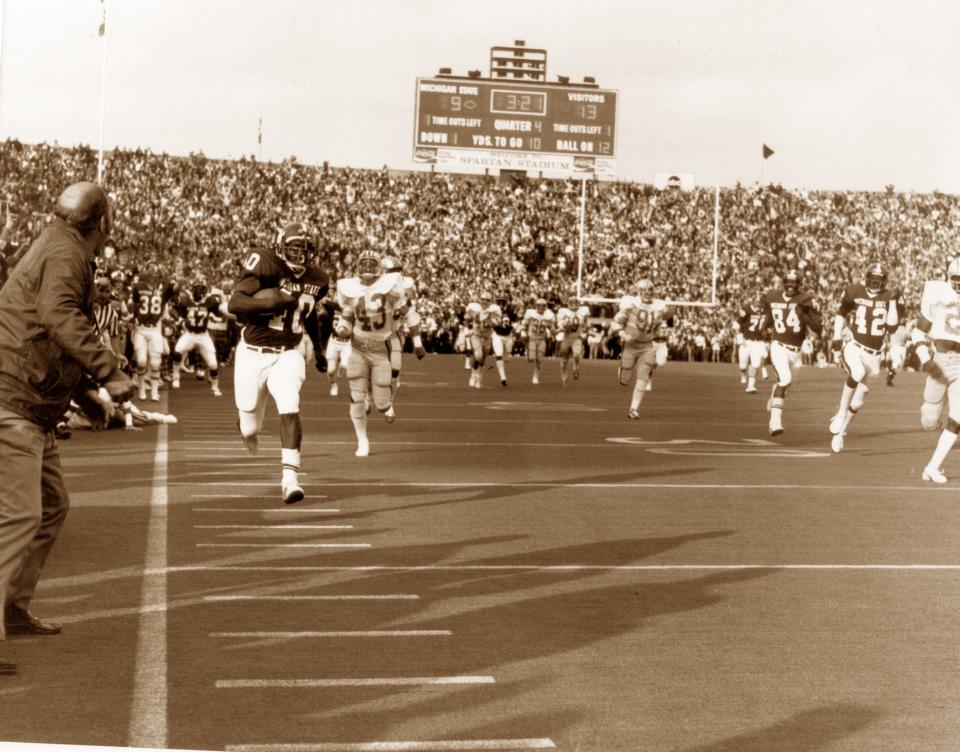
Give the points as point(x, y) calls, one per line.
point(458, 235)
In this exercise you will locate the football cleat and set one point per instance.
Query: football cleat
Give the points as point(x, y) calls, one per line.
point(334, 391)
point(751, 389)
point(836, 443)
point(215, 391)
point(292, 493)
point(176, 384)
point(363, 448)
point(154, 394)
point(776, 428)
point(633, 414)
point(535, 380)
point(933, 474)
point(142, 391)
point(503, 382)
point(390, 415)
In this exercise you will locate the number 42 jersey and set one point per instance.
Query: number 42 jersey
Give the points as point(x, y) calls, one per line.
point(873, 314)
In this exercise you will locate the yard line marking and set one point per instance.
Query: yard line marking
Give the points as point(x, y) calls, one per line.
point(283, 545)
point(387, 597)
point(476, 745)
point(558, 484)
point(281, 510)
point(222, 496)
point(385, 681)
point(557, 567)
point(368, 633)
point(148, 713)
point(273, 527)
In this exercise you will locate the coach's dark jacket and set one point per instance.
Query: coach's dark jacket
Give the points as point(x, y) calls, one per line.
point(48, 338)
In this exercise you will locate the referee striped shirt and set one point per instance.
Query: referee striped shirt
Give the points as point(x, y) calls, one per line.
point(107, 319)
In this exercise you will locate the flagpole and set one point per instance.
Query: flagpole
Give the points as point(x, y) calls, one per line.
point(583, 213)
point(260, 140)
point(103, 90)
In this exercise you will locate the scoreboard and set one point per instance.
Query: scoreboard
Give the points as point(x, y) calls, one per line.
point(551, 126)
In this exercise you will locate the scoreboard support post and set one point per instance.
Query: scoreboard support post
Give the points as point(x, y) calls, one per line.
point(583, 218)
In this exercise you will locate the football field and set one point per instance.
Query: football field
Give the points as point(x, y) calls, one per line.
point(516, 568)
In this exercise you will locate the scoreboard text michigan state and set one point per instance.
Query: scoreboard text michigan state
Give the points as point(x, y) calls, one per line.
point(512, 116)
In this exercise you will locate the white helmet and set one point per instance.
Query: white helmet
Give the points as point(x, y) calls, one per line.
point(953, 274)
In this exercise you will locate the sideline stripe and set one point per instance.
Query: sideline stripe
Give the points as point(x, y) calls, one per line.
point(271, 509)
point(386, 681)
point(399, 597)
point(368, 633)
point(148, 713)
point(273, 527)
point(564, 567)
point(401, 746)
point(283, 545)
point(482, 484)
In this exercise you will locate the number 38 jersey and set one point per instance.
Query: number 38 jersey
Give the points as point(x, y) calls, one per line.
point(639, 320)
point(284, 330)
point(789, 317)
point(374, 308)
point(872, 314)
point(940, 305)
point(148, 301)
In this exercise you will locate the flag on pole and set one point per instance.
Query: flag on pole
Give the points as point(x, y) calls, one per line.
point(103, 19)
point(767, 152)
point(260, 131)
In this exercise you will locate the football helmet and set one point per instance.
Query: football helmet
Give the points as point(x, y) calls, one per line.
point(199, 291)
point(791, 282)
point(368, 266)
point(876, 278)
point(541, 304)
point(953, 274)
point(645, 290)
point(390, 264)
point(486, 298)
point(296, 246)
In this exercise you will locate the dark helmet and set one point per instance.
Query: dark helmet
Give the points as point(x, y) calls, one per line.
point(296, 246)
point(791, 282)
point(199, 291)
point(876, 278)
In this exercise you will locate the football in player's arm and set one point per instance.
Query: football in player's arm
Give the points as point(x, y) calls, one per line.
point(868, 313)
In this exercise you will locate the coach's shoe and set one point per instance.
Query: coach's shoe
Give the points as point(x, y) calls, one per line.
point(390, 415)
point(836, 424)
point(19, 621)
point(334, 391)
point(933, 474)
point(292, 493)
point(215, 391)
point(363, 448)
point(633, 414)
point(836, 443)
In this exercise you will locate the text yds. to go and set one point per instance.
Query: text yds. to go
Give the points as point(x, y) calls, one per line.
point(506, 142)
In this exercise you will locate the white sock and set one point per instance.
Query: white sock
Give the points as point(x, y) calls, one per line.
point(944, 445)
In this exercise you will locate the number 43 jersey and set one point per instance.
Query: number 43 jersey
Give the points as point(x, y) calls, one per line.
point(940, 305)
point(872, 314)
point(374, 307)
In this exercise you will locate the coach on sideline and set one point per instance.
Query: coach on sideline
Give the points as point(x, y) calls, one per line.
point(49, 353)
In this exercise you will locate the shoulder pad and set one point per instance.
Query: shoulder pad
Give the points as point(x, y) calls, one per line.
point(348, 288)
point(627, 302)
point(473, 308)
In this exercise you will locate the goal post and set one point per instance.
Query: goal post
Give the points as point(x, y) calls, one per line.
point(714, 265)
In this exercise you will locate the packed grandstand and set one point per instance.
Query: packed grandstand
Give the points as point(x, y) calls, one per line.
point(518, 238)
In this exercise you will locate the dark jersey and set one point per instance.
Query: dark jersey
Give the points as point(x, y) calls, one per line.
point(504, 327)
point(283, 330)
point(147, 302)
point(872, 314)
point(752, 321)
point(196, 316)
point(789, 317)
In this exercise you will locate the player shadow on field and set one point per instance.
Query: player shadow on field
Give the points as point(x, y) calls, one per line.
point(488, 493)
point(560, 626)
point(809, 730)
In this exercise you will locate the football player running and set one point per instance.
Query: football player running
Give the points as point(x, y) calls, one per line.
point(485, 316)
point(338, 350)
point(504, 327)
point(149, 297)
point(789, 313)
point(279, 288)
point(537, 325)
point(751, 324)
point(636, 321)
point(937, 339)
point(408, 318)
point(868, 312)
point(195, 310)
point(368, 303)
point(571, 320)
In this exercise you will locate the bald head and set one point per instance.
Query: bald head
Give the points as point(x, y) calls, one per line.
point(83, 205)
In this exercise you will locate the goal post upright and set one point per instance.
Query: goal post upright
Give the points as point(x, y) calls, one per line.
point(583, 219)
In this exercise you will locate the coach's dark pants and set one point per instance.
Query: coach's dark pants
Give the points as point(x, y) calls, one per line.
point(33, 505)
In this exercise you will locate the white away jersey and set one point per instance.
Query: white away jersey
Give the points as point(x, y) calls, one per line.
point(640, 320)
point(940, 305)
point(537, 325)
point(572, 322)
point(373, 306)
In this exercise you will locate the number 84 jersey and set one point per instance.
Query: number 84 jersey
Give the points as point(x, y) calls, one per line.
point(374, 307)
point(790, 316)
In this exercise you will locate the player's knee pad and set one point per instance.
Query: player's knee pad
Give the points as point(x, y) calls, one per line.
point(357, 409)
point(930, 415)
